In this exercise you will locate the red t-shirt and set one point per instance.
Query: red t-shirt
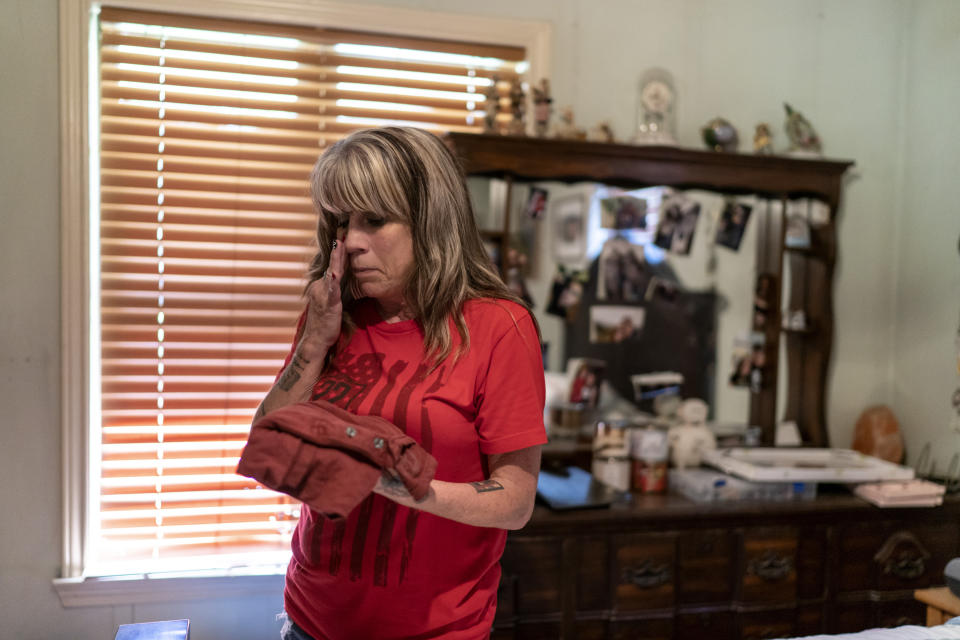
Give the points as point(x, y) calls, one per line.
point(387, 571)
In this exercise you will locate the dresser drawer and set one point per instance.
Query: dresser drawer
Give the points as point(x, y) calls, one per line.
point(887, 557)
point(643, 571)
point(706, 566)
point(813, 552)
point(651, 629)
point(593, 574)
point(719, 625)
point(868, 614)
point(532, 577)
point(901, 612)
point(763, 625)
point(769, 569)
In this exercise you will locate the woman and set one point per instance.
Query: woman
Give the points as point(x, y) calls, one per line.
point(406, 319)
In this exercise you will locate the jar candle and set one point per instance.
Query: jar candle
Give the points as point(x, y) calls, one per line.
point(611, 454)
point(649, 450)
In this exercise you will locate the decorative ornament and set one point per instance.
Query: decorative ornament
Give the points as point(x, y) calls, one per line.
point(719, 135)
point(691, 438)
point(763, 139)
point(518, 109)
point(656, 123)
point(601, 133)
point(803, 138)
point(542, 108)
point(566, 129)
point(492, 106)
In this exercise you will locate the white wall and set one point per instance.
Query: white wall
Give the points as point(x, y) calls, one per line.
point(927, 289)
point(30, 322)
point(877, 77)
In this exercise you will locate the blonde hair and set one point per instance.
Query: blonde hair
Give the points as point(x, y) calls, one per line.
point(408, 175)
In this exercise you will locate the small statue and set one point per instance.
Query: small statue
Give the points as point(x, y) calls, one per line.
point(763, 139)
point(492, 107)
point(720, 135)
point(542, 108)
point(691, 438)
point(803, 138)
point(518, 109)
point(601, 133)
point(565, 129)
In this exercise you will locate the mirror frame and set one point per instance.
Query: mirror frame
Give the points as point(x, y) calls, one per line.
point(811, 269)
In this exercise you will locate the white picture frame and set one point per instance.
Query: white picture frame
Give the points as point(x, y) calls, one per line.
point(773, 464)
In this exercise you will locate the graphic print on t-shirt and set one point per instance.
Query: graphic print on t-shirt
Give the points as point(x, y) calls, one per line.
point(390, 511)
point(426, 441)
point(347, 383)
point(348, 379)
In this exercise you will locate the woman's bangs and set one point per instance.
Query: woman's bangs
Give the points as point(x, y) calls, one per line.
point(356, 182)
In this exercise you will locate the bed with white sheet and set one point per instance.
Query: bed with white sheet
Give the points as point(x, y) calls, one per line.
point(908, 632)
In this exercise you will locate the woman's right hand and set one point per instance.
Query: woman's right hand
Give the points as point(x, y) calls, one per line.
point(324, 307)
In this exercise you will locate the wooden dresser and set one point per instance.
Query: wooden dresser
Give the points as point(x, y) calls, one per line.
point(666, 567)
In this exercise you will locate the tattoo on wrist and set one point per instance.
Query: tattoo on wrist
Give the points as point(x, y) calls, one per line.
point(393, 486)
point(487, 485)
point(293, 372)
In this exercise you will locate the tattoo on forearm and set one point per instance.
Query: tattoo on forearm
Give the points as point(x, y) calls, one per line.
point(394, 486)
point(260, 412)
point(293, 372)
point(487, 485)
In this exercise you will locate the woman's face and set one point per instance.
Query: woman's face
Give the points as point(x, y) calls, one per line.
point(379, 254)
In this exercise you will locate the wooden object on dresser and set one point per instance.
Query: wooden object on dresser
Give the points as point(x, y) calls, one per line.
point(942, 605)
point(772, 177)
point(663, 567)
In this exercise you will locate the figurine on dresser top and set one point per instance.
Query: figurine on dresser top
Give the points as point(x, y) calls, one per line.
point(690, 437)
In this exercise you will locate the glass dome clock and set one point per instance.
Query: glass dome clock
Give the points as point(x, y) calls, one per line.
point(656, 109)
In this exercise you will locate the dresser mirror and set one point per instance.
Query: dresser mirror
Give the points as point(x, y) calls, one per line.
point(689, 311)
point(697, 306)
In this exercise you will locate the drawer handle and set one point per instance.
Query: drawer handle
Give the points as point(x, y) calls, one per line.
point(647, 575)
point(770, 566)
point(905, 568)
point(903, 556)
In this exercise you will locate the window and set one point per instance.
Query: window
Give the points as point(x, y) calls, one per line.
point(203, 133)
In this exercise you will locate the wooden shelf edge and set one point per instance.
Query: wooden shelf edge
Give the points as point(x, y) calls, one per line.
point(528, 158)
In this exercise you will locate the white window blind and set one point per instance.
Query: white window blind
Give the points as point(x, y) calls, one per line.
point(209, 129)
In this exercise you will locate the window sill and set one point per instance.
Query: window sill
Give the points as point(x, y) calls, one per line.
point(150, 588)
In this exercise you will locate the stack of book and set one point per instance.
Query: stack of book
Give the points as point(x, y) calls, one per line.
point(909, 493)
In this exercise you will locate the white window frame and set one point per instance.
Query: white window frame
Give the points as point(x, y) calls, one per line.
point(78, 137)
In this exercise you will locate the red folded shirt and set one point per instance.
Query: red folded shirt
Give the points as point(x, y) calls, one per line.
point(329, 458)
